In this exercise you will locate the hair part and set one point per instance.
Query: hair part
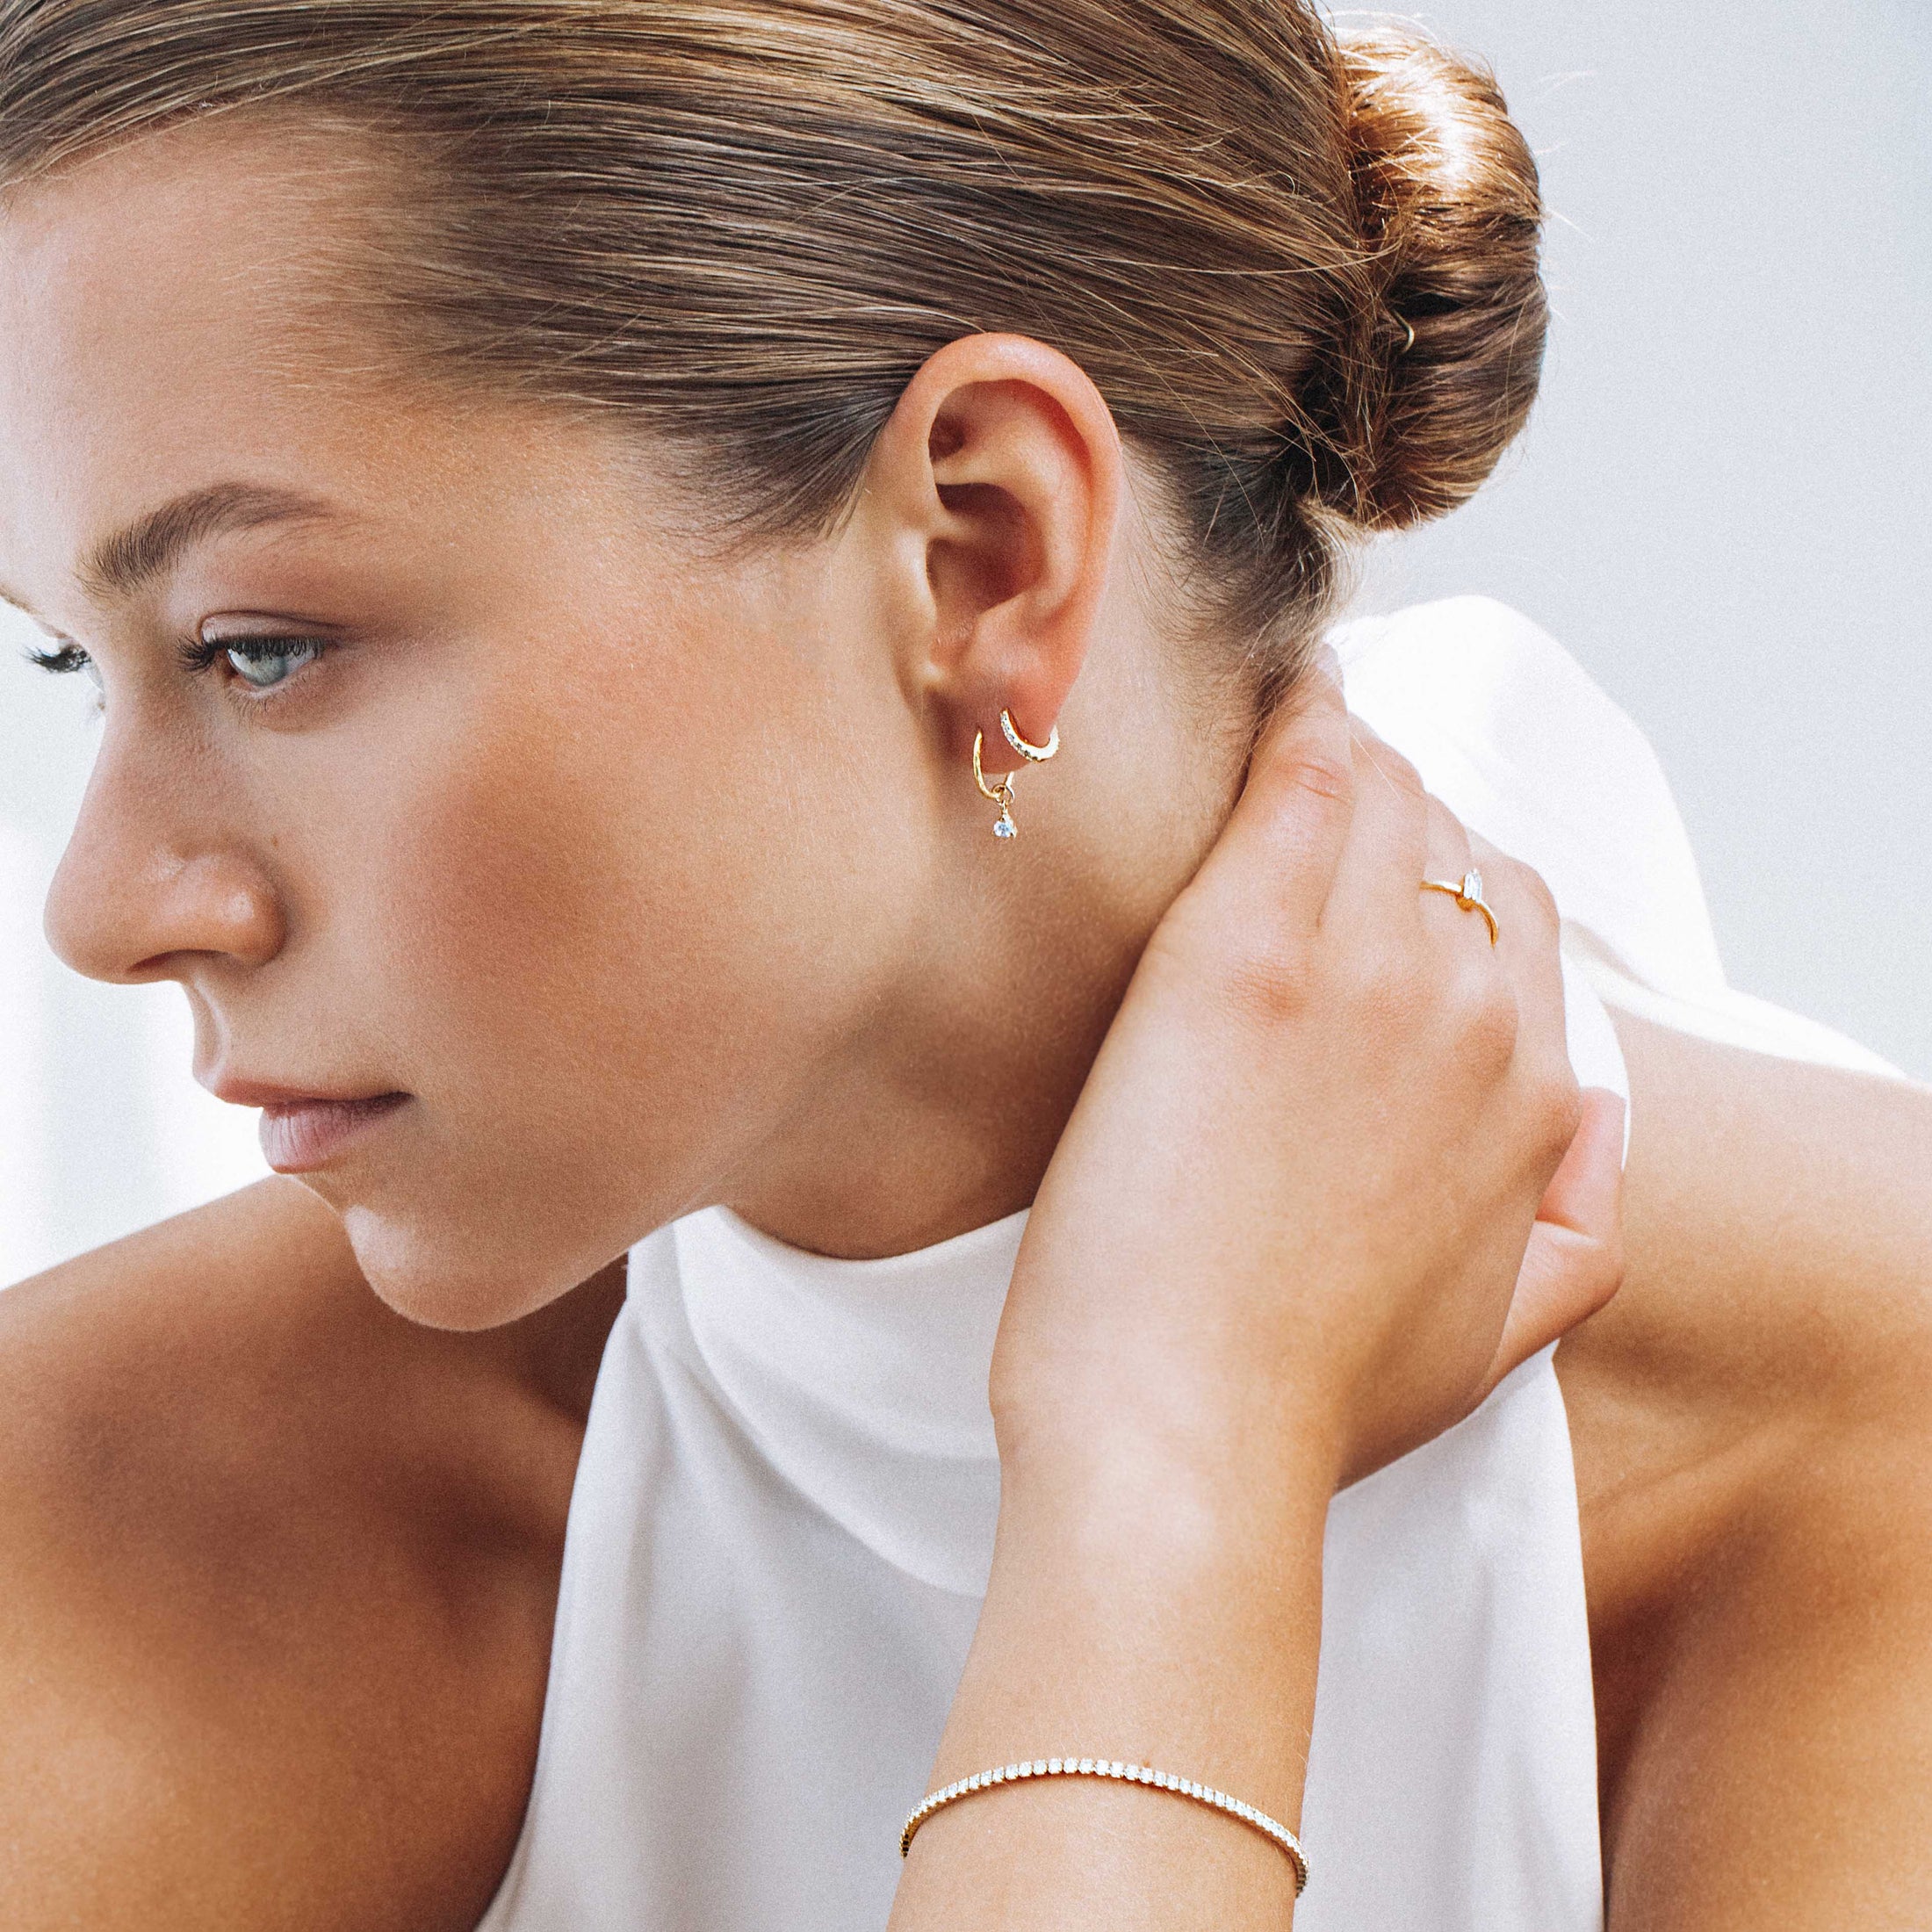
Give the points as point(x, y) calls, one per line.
point(1301, 270)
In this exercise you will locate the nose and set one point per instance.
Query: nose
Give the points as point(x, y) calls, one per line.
point(152, 881)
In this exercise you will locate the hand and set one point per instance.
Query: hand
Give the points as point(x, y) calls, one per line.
point(1297, 1204)
point(1289, 1231)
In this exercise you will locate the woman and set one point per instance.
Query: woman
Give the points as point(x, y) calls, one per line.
point(562, 504)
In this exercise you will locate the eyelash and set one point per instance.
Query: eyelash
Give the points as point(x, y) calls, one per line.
point(202, 653)
point(61, 659)
point(199, 655)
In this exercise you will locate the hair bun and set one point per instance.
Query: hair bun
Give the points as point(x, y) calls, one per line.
point(1451, 213)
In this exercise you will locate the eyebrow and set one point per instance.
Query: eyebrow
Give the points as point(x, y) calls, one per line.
point(134, 557)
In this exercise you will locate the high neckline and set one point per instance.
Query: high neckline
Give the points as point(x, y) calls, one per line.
point(863, 1383)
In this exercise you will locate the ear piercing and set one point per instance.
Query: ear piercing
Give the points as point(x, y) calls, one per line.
point(1001, 794)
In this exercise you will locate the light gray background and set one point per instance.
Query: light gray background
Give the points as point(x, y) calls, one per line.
point(1719, 507)
point(1722, 504)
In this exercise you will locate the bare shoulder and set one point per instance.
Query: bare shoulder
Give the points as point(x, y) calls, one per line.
point(280, 1571)
point(1779, 1224)
point(1753, 1425)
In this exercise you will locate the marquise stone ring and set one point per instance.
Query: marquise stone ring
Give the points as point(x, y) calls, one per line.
point(1467, 895)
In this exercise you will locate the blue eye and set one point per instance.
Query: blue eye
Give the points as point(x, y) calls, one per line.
point(262, 663)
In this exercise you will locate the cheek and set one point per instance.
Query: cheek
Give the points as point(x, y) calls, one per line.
point(611, 937)
point(563, 953)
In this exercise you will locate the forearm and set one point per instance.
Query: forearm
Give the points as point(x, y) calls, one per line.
point(1162, 1622)
point(1309, 1265)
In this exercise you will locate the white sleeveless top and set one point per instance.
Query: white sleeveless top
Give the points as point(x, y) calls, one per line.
point(783, 1515)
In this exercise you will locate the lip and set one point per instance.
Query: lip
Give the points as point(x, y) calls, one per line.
point(304, 1131)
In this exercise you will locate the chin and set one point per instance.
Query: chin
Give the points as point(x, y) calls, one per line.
point(448, 1275)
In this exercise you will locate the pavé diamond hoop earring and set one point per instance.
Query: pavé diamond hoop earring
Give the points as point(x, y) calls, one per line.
point(1037, 754)
point(1001, 794)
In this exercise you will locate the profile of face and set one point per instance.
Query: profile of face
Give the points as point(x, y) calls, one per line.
point(454, 763)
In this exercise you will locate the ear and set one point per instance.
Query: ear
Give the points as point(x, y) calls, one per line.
point(1000, 474)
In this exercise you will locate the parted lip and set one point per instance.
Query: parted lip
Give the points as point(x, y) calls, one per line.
point(302, 1134)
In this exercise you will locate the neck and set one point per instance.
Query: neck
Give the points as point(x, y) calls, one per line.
point(940, 1113)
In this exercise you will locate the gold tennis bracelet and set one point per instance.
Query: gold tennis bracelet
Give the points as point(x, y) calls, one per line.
point(1277, 1835)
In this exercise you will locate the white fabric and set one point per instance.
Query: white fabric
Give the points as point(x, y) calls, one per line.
point(1506, 728)
point(783, 1515)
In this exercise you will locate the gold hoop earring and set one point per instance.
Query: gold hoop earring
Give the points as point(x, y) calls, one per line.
point(1000, 794)
point(1038, 754)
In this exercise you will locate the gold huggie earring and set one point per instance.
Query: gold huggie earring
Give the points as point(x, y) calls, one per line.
point(1000, 794)
point(1037, 753)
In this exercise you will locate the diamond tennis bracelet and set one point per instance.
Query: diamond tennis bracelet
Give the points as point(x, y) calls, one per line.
point(1276, 1834)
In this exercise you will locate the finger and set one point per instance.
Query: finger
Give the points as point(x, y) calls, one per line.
point(1575, 1261)
point(1448, 863)
point(1284, 840)
point(1449, 848)
point(1585, 1194)
point(1529, 949)
point(1382, 866)
point(1510, 885)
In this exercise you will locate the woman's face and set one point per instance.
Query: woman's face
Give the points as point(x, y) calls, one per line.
point(500, 839)
point(455, 780)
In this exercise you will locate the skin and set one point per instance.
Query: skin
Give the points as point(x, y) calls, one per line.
point(508, 849)
point(1752, 1435)
point(1180, 1383)
point(836, 688)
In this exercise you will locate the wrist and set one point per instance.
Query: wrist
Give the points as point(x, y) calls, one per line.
point(1214, 1463)
point(1146, 1522)
point(1150, 1612)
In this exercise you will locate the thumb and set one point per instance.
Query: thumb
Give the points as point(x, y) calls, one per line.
point(1575, 1260)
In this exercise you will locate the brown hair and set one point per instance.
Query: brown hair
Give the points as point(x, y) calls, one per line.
point(1301, 270)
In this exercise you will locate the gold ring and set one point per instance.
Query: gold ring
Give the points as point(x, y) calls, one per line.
point(1468, 895)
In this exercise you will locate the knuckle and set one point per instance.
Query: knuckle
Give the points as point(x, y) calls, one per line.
point(1488, 1022)
point(1321, 776)
point(1451, 828)
point(1398, 770)
point(1269, 980)
point(1598, 1267)
point(1545, 900)
point(1530, 886)
point(1301, 781)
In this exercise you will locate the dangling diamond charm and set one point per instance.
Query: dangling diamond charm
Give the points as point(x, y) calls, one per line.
point(1000, 794)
